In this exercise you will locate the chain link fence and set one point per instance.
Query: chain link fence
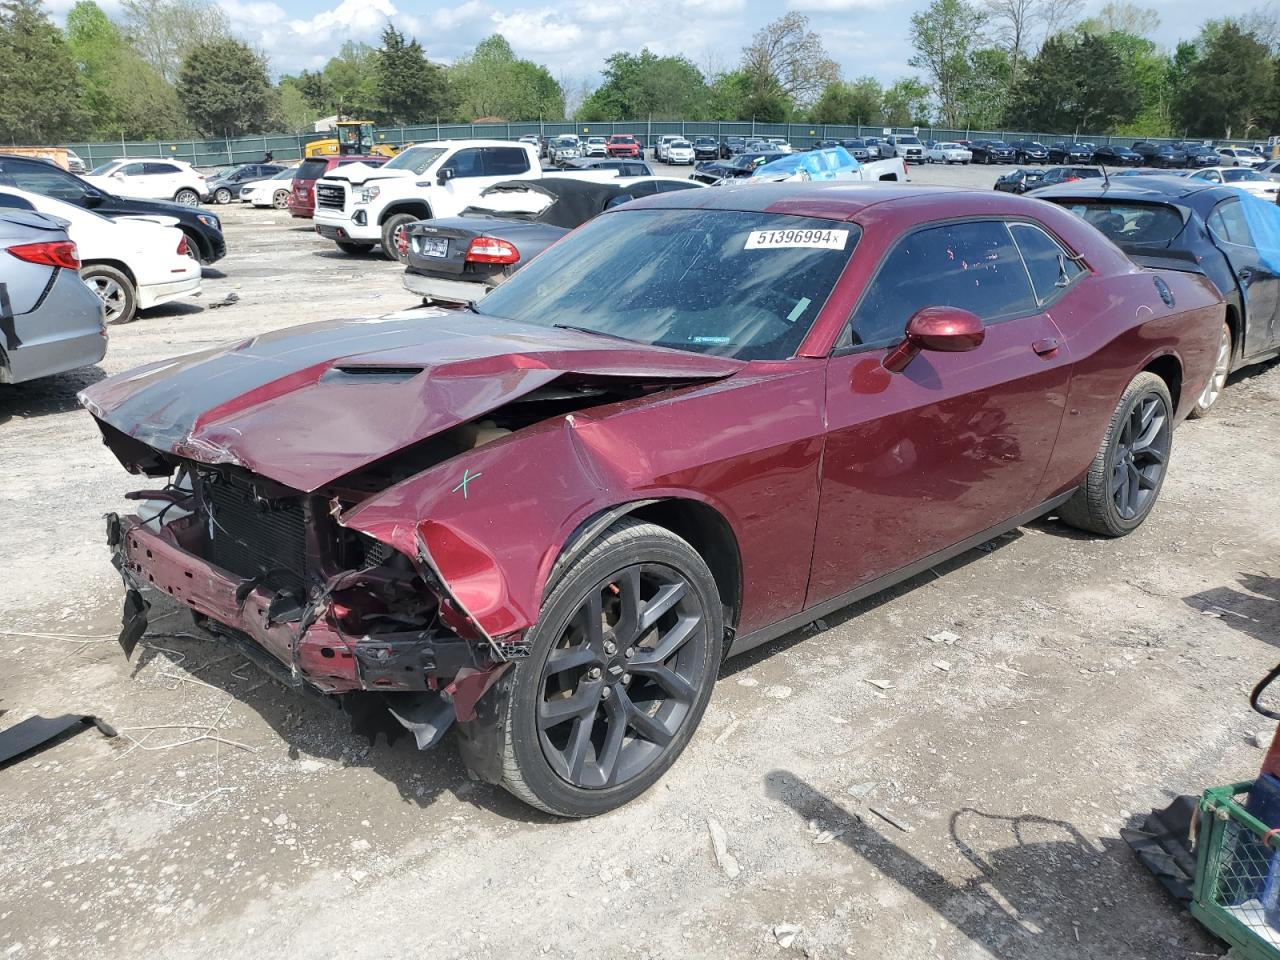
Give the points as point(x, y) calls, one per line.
point(228, 152)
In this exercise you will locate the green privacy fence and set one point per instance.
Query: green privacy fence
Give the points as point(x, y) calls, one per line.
point(215, 153)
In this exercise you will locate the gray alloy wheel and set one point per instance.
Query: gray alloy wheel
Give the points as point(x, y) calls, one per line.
point(187, 197)
point(1125, 478)
point(222, 195)
point(114, 289)
point(1218, 379)
point(280, 199)
point(622, 664)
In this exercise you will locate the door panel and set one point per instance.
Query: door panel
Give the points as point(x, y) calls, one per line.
point(1260, 285)
point(956, 443)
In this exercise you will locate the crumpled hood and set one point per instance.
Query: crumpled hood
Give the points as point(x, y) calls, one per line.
point(357, 173)
point(307, 405)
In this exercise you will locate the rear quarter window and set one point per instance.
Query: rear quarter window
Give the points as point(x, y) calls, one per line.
point(1131, 223)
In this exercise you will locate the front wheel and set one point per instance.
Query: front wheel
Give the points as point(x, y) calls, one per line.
point(622, 663)
point(1125, 477)
point(1218, 379)
point(395, 236)
point(187, 197)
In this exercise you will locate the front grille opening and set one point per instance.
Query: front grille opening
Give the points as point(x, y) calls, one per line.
point(250, 535)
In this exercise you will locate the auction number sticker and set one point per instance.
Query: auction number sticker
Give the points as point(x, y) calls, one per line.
point(784, 239)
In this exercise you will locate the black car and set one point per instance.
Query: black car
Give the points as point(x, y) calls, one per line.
point(625, 168)
point(732, 146)
point(992, 151)
point(859, 150)
point(1070, 153)
point(1188, 224)
point(1030, 151)
point(743, 165)
point(1019, 181)
point(706, 148)
point(1112, 155)
point(1058, 175)
point(226, 186)
point(460, 259)
point(1160, 155)
point(1198, 155)
point(203, 230)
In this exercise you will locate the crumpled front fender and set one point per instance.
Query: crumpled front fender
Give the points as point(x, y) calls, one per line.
point(495, 520)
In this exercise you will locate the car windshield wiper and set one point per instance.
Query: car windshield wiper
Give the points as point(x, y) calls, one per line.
point(598, 333)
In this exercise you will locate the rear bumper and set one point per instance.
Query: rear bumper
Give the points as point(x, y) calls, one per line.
point(441, 288)
point(63, 332)
point(302, 211)
point(154, 294)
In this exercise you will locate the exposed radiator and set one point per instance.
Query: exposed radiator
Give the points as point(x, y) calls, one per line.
point(249, 539)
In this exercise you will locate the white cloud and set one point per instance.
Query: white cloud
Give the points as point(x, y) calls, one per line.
point(350, 18)
point(835, 6)
point(538, 31)
point(253, 13)
point(446, 18)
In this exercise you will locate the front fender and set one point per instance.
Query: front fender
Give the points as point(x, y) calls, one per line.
point(495, 520)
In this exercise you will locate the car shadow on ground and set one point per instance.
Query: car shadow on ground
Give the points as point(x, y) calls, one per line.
point(763, 652)
point(174, 308)
point(211, 273)
point(1253, 610)
point(56, 394)
point(313, 725)
point(373, 253)
point(1024, 886)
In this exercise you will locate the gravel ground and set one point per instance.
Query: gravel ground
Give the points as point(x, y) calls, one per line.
point(1090, 680)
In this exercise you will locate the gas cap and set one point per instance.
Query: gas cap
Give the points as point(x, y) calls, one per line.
point(1165, 293)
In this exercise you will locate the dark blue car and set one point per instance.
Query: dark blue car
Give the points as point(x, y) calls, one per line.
point(1185, 224)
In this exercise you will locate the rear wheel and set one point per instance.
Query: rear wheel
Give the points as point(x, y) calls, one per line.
point(395, 236)
point(280, 199)
point(623, 660)
point(1125, 478)
point(222, 195)
point(187, 197)
point(1218, 379)
point(114, 289)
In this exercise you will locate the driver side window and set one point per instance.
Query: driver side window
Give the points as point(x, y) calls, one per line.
point(466, 163)
point(972, 265)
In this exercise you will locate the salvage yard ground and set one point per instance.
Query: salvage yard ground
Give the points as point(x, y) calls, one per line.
point(1077, 683)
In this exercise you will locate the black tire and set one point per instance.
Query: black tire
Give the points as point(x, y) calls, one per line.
point(1218, 378)
point(187, 197)
point(222, 196)
point(611, 761)
point(115, 290)
point(392, 231)
point(353, 249)
point(193, 248)
point(280, 200)
point(1124, 480)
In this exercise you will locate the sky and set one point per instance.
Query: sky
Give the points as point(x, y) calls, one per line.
point(573, 37)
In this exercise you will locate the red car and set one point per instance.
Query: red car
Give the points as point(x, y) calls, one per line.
point(623, 145)
point(699, 421)
point(302, 197)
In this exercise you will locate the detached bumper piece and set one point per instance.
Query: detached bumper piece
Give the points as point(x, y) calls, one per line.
point(35, 732)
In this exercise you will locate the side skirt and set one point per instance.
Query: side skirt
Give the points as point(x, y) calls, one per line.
point(746, 642)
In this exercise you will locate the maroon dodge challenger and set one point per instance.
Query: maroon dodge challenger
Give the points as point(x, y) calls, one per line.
point(696, 423)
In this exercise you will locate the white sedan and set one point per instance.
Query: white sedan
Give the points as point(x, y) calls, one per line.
point(680, 151)
point(270, 193)
point(150, 179)
point(948, 152)
point(1239, 157)
point(1242, 178)
point(131, 263)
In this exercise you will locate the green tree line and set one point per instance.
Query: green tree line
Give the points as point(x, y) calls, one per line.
point(173, 68)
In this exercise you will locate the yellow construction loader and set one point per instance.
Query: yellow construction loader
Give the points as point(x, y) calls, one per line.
point(350, 138)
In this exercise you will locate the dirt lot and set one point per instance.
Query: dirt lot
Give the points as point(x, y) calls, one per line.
point(1091, 680)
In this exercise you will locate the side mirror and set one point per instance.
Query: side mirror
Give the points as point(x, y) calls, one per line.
point(117, 175)
point(92, 198)
point(444, 176)
point(944, 329)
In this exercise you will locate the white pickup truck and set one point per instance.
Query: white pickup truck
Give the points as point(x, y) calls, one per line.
point(359, 207)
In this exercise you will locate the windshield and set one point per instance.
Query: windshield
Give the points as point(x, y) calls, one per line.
point(908, 139)
point(416, 159)
point(286, 174)
point(998, 144)
point(736, 284)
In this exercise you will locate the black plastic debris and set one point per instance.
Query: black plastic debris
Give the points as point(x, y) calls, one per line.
point(35, 732)
point(1163, 845)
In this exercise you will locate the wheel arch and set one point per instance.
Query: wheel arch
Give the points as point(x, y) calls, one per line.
point(702, 526)
point(417, 208)
point(1236, 326)
point(114, 265)
point(1169, 369)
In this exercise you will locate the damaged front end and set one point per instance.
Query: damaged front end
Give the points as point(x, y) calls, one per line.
point(320, 606)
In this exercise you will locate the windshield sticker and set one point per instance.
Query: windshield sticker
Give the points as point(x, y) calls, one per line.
point(798, 309)
point(708, 340)
point(790, 239)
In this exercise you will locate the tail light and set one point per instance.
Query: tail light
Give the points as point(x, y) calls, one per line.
point(905, 172)
point(491, 250)
point(183, 249)
point(54, 253)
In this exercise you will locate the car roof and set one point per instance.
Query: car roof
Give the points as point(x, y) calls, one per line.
point(1151, 189)
point(832, 200)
